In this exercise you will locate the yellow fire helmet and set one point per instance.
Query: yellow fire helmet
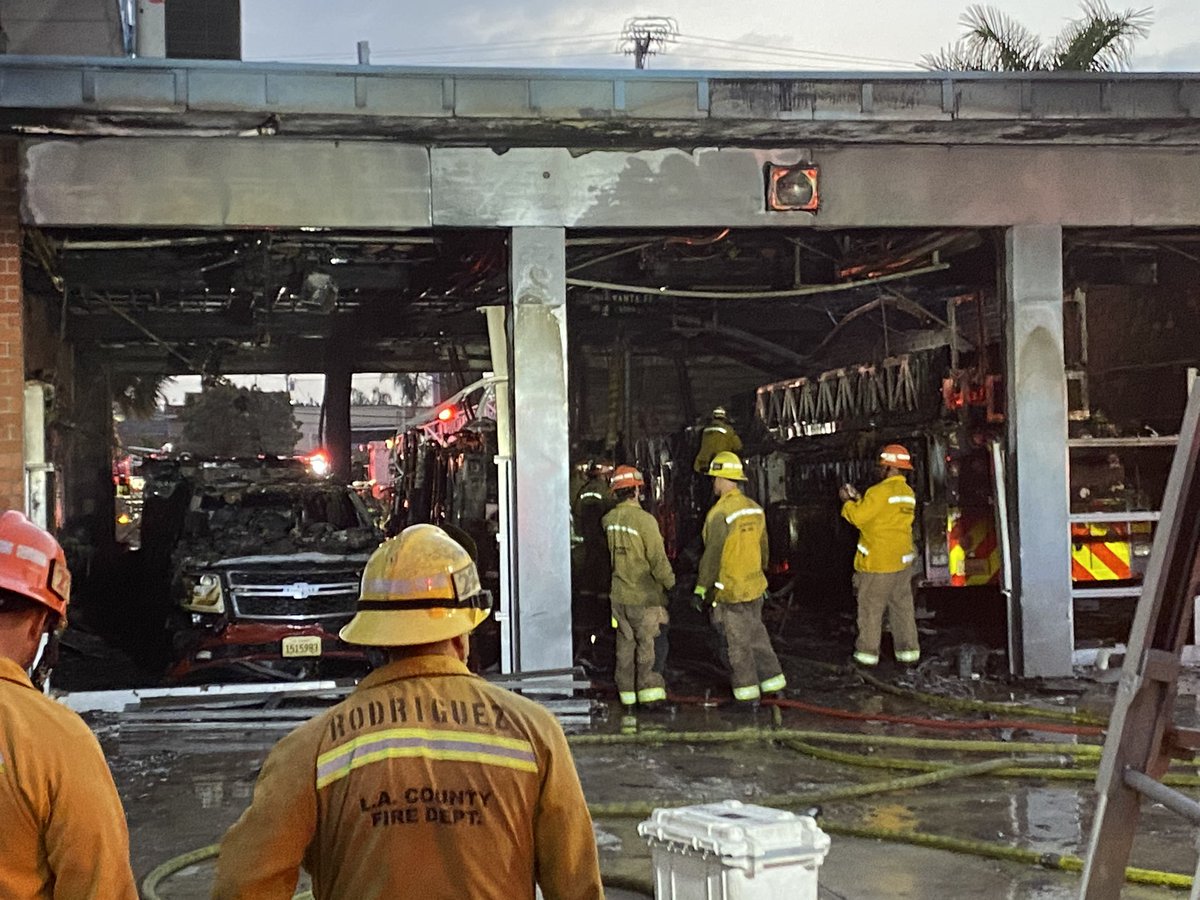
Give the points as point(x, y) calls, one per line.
point(726, 465)
point(417, 588)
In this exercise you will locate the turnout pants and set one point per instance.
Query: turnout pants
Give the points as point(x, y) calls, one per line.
point(756, 669)
point(890, 591)
point(637, 629)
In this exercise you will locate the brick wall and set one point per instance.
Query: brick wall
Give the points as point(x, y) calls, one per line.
point(12, 344)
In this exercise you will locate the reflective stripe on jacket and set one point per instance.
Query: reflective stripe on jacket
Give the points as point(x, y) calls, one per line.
point(884, 518)
point(735, 550)
point(427, 781)
point(641, 572)
point(594, 499)
point(718, 436)
point(64, 832)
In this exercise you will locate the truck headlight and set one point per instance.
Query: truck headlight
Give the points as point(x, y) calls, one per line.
point(205, 594)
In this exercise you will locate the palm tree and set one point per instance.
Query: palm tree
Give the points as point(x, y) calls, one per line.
point(413, 388)
point(1100, 40)
point(138, 396)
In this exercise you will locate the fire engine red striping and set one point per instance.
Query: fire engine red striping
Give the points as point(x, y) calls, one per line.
point(1114, 563)
point(987, 546)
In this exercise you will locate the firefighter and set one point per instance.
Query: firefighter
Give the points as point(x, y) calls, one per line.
point(733, 582)
point(64, 829)
point(641, 576)
point(718, 436)
point(883, 563)
point(427, 781)
point(588, 508)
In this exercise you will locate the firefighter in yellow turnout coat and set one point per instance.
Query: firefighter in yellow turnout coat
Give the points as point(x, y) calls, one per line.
point(62, 830)
point(732, 579)
point(641, 575)
point(427, 781)
point(718, 437)
point(883, 563)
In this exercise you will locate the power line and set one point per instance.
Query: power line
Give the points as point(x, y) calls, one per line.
point(773, 48)
point(517, 60)
point(706, 54)
point(792, 51)
point(454, 48)
point(774, 64)
point(708, 48)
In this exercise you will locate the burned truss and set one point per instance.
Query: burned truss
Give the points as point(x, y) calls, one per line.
point(801, 407)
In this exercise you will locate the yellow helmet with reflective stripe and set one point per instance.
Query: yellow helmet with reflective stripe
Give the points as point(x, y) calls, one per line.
point(417, 588)
point(726, 465)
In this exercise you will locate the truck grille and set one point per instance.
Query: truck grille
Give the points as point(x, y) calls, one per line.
point(292, 596)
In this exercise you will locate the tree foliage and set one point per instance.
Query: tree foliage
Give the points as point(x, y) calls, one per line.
point(1100, 40)
point(226, 420)
point(138, 396)
point(413, 388)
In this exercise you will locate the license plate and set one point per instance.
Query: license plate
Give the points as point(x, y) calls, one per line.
point(301, 645)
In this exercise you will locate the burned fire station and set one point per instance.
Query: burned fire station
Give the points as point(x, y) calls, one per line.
point(989, 277)
point(998, 271)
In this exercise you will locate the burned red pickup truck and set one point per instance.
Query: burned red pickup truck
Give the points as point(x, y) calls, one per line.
point(264, 569)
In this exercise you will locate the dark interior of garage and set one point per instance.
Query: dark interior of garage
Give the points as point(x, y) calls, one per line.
point(822, 345)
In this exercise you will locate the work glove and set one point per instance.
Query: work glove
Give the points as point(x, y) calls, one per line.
point(698, 598)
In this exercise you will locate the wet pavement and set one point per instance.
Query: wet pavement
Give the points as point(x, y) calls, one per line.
point(182, 788)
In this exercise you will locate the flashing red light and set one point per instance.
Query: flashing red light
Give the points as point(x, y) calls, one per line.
point(445, 414)
point(319, 462)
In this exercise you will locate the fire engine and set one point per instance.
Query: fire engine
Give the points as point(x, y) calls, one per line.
point(823, 431)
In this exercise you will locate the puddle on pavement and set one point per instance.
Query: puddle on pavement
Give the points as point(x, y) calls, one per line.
point(183, 788)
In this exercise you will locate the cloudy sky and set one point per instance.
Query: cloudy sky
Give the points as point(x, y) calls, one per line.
point(713, 34)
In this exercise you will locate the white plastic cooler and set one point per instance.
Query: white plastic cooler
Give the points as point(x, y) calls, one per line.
point(734, 851)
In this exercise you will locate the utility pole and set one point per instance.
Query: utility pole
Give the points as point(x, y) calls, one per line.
point(644, 36)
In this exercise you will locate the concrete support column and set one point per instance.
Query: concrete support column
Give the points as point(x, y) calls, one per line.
point(1043, 638)
point(542, 550)
point(150, 29)
point(90, 494)
point(12, 336)
point(336, 434)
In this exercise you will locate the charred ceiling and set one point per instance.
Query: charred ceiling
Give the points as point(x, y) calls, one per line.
point(221, 303)
point(777, 302)
point(267, 301)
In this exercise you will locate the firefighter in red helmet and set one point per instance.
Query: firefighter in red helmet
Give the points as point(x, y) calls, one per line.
point(883, 562)
point(64, 828)
point(641, 577)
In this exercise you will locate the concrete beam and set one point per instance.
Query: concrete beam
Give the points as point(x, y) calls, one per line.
point(235, 182)
point(1043, 638)
point(872, 187)
point(232, 182)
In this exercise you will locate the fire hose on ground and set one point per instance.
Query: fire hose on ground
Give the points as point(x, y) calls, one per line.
point(985, 849)
point(1058, 765)
point(176, 864)
point(1036, 765)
